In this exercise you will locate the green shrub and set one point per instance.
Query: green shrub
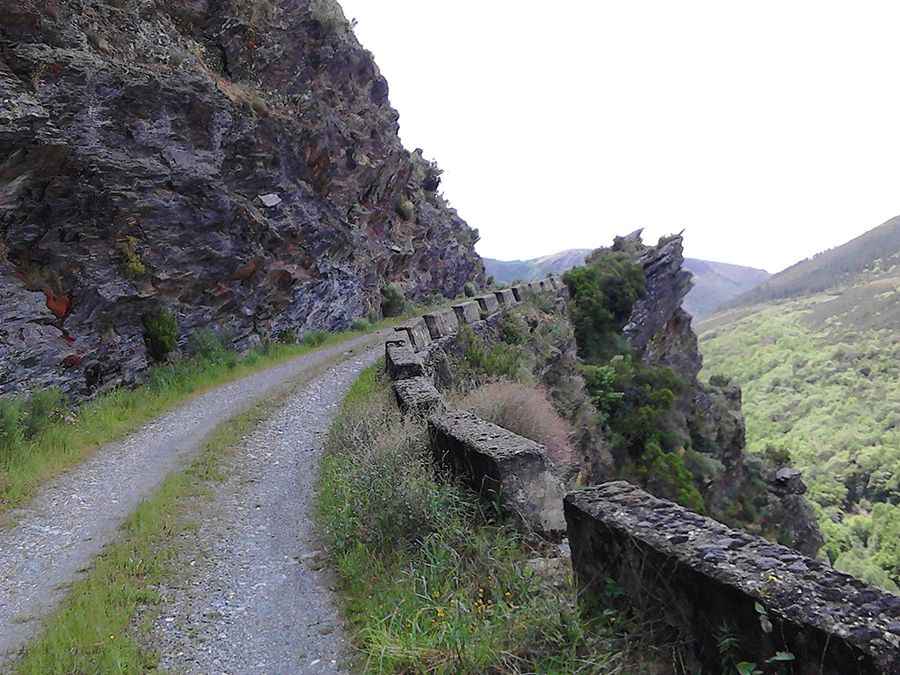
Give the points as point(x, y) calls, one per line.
point(470, 290)
point(602, 296)
point(719, 381)
point(42, 409)
point(513, 329)
point(361, 325)
point(133, 265)
point(12, 433)
point(286, 337)
point(315, 338)
point(481, 359)
point(406, 209)
point(160, 333)
point(206, 344)
point(666, 476)
point(393, 302)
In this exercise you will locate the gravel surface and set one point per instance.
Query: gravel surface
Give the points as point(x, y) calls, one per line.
point(252, 596)
point(55, 537)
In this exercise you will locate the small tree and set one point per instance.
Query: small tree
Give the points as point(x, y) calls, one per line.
point(470, 290)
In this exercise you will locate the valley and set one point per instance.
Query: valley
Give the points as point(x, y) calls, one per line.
point(821, 383)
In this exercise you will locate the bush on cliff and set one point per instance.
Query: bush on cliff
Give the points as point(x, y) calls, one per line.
point(470, 290)
point(393, 302)
point(482, 361)
point(160, 333)
point(602, 295)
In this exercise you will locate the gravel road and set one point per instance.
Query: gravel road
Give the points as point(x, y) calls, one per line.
point(55, 537)
point(253, 595)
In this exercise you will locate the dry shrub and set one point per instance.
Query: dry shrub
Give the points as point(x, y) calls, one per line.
point(525, 410)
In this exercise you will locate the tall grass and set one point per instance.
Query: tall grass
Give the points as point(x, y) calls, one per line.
point(433, 582)
point(39, 440)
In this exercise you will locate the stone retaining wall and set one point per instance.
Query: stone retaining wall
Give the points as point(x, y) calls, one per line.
point(442, 324)
point(467, 312)
point(497, 463)
point(488, 305)
point(500, 465)
point(703, 577)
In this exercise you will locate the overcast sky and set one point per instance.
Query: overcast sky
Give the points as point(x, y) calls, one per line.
point(769, 130)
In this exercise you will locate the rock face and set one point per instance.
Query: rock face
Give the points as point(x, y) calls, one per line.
point(737, 489)
point(235, 162)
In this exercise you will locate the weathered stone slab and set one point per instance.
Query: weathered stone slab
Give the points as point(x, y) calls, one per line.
point(551, 283)
point(418, 395)
point(496, 462)
point(417, 333)
point(505, 297)
point(467, 312)
point(442, 324)
point(401, 362)
point(519, 292)
point(488, 305)
point(704, 574)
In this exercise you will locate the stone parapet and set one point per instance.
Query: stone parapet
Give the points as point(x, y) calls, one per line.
point(401, 362)
point(488, 305)
point(497, 463)
point(705, 577)
point(417, 333)
point(442, 324)
point(418, 395)
point(467, 312)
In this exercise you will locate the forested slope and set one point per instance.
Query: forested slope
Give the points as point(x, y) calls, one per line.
point(821, 379)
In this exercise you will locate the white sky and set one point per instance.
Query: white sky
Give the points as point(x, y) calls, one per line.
point(769, 130)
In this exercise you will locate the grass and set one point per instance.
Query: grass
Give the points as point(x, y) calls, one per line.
point(432, 580)
point(94, 630)
point(29, 460)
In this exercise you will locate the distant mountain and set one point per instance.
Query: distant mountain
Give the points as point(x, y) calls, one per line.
point(506, 272)
point(878, 249)
point(714, 283)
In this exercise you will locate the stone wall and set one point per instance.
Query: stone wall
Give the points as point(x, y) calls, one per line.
point(704, 578)
point(699, 576)
point(498, 464)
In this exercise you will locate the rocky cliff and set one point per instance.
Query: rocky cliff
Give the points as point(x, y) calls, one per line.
point(236, 162)
point(737, 488)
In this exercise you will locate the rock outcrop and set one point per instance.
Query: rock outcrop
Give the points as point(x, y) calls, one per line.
point(235, 162)
point(737, 489)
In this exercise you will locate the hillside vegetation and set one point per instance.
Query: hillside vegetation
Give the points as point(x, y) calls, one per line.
point(820, 378)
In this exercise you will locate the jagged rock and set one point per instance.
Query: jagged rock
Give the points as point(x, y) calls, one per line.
point(659, 332)
point(237, 165)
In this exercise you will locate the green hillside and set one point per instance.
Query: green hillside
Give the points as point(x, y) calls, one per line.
point(821, 379)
